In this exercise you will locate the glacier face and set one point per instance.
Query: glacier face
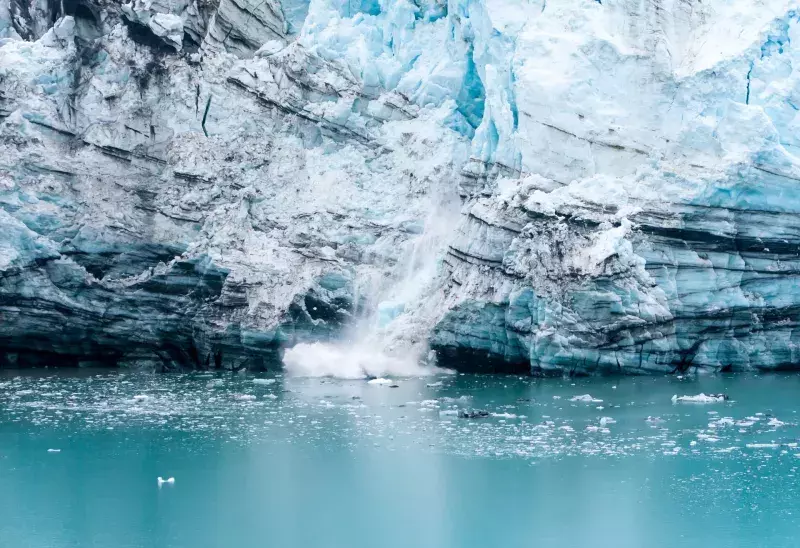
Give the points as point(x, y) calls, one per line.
point(204, 183)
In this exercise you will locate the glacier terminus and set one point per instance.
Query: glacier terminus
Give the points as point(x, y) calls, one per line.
point(544, 186)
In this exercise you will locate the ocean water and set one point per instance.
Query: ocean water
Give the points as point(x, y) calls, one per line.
point(287, 462)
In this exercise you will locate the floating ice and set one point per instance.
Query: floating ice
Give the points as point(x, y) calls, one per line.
point(585, 398)
point(700, 398)
point(161, 481)
point(264, 381)
point(721, 422)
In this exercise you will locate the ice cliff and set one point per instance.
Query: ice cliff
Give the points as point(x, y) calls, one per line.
point(553, 186)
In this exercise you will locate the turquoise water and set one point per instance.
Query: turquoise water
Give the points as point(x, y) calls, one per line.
point(324, 463)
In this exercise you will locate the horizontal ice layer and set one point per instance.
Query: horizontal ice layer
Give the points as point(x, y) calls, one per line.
point(654, 227)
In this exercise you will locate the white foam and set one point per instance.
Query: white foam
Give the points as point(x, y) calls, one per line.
point(380, 381)
point(349, 362)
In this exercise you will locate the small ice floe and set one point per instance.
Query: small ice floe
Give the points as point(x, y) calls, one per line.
point(141, 397)
point(504, 415)
point(606, 420)
point(434, 384)
point(460, 399)
point(775, 423)
point(707, 437)
point(264, 381)
point(54, 450)
point(722, 422)
point(380, 380)
point(585, 398)
point(244, 397)
point(162, 481)
point(762, 445)
point(700, 398)
point(654, 420)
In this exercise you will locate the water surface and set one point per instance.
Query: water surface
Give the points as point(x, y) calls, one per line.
point(286, 462)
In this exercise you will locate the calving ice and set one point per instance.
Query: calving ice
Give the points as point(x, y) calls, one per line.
point(547, 187)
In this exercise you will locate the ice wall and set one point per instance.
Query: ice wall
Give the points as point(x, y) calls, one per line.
point(214, 181)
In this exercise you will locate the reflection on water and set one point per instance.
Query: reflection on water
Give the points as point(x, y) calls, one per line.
point(319, 462)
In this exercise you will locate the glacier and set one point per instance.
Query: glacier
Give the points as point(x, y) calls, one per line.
point(540, 187)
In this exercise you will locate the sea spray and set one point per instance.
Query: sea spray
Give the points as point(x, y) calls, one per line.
point(349, 361)
point(389, 334)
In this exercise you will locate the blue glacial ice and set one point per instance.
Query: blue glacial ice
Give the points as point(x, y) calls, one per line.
point(548, 187)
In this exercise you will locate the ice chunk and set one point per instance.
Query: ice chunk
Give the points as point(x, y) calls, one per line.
point(700, 398)
point(585, 398)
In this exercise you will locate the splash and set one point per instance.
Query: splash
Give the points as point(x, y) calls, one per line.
point(389, 336)
point(350, 362)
